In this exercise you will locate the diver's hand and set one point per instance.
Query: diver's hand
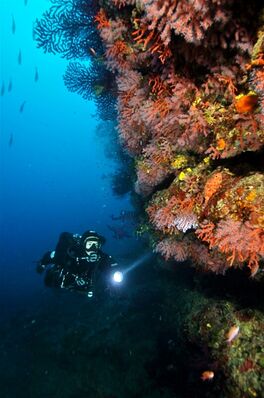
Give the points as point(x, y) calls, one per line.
point(40, 268)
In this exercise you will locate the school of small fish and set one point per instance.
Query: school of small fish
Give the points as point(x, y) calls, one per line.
point(8, 87)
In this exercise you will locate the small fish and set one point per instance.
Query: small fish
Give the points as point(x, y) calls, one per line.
point(10, 86)
point(3, 89)
point(25, 2)
point(10, 142)
point(207, 375)
point(13, 25)
point(22, 106)
point(232, 333)
point(36, 75)
point(92, 52)
point(19, 58)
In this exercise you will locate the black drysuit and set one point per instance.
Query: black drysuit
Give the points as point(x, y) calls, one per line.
point(71, 267)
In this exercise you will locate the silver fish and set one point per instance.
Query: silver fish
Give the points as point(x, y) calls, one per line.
point(11, 139)
point(19, 58)
point(36, 75)
point(22, 106)
point(10, 86)
point(13, 25)
point(3, 89)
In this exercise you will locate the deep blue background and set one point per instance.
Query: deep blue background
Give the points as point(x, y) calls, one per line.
point(51, 176)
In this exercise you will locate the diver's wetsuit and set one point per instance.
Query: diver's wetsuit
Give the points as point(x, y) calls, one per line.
point(72, 267)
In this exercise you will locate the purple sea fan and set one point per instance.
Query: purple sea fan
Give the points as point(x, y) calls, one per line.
point(241, 242)
point(131, 127)
point(207, 260)
point(191, 19)
point(115, 31)
point(185, 221)
point(150, 175)
point(163, 219)
point(171, 248)
point(128, 81)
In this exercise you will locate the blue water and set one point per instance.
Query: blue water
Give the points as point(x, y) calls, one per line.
point(52, 160)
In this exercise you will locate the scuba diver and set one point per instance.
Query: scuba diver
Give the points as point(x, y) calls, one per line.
point(77, 263)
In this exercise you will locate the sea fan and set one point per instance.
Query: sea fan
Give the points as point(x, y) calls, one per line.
point(67, 28)
point(93, 82)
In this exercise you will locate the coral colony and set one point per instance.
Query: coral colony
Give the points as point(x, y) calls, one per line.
point(187, 77)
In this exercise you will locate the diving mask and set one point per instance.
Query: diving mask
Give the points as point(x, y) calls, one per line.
point(92, 244)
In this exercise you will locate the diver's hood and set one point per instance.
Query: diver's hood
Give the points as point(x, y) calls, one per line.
point(92, 241)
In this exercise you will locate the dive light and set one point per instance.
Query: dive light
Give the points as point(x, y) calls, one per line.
point(118, 277)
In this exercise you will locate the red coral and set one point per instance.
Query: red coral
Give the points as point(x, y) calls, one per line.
point(212, 185)
point(101, 19)
point(240, 242)
point(152, 41)
point(206, 233)
point(159, 86)
point(117, 56)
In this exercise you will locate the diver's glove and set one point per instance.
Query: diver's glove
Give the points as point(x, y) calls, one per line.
point(45, 261)
point(40, 268)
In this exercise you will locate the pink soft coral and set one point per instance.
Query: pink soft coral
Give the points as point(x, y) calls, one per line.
point(190, 19)
point(172, 248)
